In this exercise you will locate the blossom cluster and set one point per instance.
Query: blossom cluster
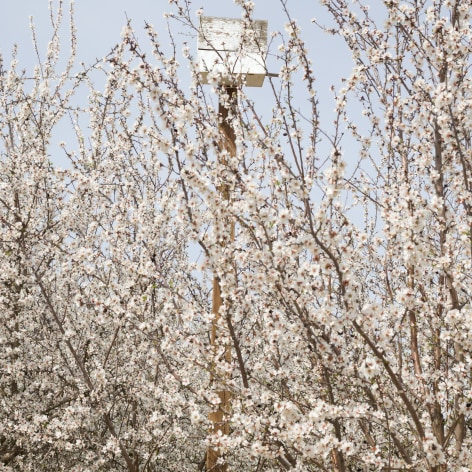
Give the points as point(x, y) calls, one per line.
point(281, 292)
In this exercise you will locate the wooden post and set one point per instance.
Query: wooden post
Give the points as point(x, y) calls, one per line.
point(220, 55)
point(220, 417)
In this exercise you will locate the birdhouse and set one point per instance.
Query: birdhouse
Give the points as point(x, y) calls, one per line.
point(231, 51)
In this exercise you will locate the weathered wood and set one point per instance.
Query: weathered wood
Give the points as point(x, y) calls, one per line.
point(220, 417)
point(223, 49)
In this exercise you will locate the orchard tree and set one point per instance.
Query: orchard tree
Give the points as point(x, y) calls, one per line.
point(341, 252)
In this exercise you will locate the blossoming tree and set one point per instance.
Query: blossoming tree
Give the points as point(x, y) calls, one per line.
point(345, 290)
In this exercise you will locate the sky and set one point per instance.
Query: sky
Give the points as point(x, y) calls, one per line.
point(99, 24)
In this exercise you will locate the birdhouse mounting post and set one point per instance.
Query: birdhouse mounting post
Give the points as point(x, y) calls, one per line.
point(220, 417)
point(231, 54)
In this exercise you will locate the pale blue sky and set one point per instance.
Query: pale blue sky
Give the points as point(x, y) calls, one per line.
point(100, 22)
